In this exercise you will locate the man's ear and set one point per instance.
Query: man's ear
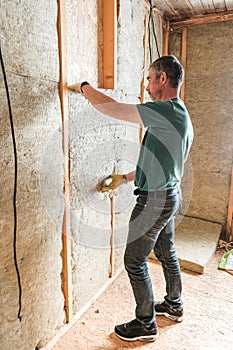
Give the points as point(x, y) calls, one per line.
point(163, 77)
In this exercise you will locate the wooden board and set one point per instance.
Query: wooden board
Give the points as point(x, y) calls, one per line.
point(63, 91)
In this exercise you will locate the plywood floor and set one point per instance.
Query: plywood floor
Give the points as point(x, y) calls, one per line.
point(208, 322)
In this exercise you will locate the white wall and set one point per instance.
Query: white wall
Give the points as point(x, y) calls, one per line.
point(98, 144)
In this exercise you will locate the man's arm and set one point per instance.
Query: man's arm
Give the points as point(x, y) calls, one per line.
point(108, 105)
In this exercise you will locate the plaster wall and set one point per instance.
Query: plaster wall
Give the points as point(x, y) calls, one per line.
point(30, 51)
point(208, 98)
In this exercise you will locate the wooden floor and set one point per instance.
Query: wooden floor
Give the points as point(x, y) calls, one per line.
point(208, 323)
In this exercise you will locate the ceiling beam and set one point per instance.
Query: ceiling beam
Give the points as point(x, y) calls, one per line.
point(216, 17)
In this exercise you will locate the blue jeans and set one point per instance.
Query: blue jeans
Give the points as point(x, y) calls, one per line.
point(151, 227)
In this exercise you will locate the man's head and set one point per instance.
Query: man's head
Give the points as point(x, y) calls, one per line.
point(165, 78)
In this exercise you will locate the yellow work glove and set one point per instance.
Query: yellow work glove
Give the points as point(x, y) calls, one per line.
point(78, 87)
point(111, 182)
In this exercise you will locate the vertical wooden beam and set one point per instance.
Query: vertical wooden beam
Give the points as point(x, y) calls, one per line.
point(166, 32)
point(109, 44)
point(112, 238)
point(63, 91)
point(145, 68)
point(229, 226)
point(183, 59)
point(145, 41)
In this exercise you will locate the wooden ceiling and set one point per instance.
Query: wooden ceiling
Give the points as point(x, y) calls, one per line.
point(180, 10)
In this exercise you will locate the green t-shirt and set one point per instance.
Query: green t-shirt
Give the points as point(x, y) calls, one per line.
point(165, 145)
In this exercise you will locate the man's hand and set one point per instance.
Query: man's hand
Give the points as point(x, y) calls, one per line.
point(78, 87)
point(75, 87)
point(111, 182)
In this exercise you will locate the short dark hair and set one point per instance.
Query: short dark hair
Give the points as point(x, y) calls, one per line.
point(172, 67)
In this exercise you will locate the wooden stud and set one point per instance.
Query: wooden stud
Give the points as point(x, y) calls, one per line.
point(112, 238)
point(145, 40)
point(220, 17)
point(109, 44)
point(166, 32)
point(143, 81)
point(63, 91)
point(183, 59)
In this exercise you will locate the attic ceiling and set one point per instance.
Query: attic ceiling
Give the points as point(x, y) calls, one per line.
point(174, 10)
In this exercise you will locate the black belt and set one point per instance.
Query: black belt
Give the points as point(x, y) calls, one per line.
point(155, 194)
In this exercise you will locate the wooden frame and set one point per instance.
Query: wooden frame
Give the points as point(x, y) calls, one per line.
point(166, 34)
point(63, 91)
point(107, 13)
point(220, 17)
point(183, 58)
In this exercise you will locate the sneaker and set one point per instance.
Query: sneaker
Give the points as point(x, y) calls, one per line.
point(135, 330)
point(162, 308)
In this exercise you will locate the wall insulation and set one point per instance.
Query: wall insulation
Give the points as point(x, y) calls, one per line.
point(208, 97)
point(30, 52)
point(98, 145)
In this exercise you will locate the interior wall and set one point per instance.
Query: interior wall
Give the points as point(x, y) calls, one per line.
point(208, 98)
point(100, 145)
point(30, 51)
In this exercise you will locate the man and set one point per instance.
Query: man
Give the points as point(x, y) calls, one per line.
point(159, 170)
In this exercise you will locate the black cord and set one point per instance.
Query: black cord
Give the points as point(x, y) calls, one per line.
point(155, 36)
point(149, 40)
point(151, 21)
point(15, 185)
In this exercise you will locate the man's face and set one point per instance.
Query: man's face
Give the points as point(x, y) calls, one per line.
point(154, 87)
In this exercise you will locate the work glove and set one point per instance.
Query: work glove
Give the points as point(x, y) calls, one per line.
point(78, 87)
point(111, 182)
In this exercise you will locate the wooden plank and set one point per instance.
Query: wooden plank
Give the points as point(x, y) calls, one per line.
point(188, 8)
point(109, 44)
point(173, 9)
point(143, 81)
point(177, 9)
point(165, 9)
point(63, 91)
point(220, 17)
point(229, 226)
point(219, 5)
point(203, 7)
point(112, 238)
point(166, 34)
point(183, 59)
point(100, 46)
point(145, 41)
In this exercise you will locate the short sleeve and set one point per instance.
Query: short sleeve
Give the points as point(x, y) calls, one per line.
point(154, 113)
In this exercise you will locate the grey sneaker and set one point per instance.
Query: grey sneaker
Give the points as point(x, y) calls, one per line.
point(163, 309)
point(135, 330)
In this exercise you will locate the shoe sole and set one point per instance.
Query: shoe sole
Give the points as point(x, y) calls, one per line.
point(171, 317)
point(143, 338)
